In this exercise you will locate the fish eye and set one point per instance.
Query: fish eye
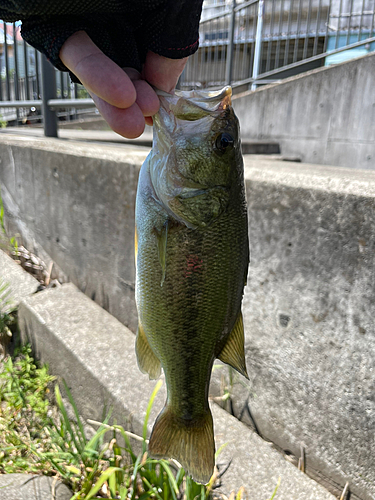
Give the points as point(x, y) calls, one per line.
point(223, 142)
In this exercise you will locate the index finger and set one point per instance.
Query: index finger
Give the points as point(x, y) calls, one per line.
point(97, 72)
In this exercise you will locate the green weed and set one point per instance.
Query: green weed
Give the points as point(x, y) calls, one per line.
point(275, 490)
point(6, 243)
point(23, 413)
point(40, 438)
point(7, 316)
point(34, 438)
point(101, 467)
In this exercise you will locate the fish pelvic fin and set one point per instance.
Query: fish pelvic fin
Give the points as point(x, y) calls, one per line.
point(191, 443)
point(233, 353)
point(147, 360)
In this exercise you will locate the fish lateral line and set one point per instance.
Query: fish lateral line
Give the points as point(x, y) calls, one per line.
point(162, 237)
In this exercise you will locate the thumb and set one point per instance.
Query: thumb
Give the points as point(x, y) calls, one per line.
point(161, 72)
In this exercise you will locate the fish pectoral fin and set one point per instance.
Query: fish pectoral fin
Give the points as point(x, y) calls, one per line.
point(162, 249)
point(189, 442)
point(233, 353)
point(147, 361)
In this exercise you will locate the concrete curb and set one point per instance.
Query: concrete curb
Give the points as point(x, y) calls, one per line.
point(32, 487)
point(94, 353)
point(21, 283)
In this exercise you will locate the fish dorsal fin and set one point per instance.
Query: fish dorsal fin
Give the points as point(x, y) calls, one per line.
point(147, 361)
point(233, 353)
point(162, 249)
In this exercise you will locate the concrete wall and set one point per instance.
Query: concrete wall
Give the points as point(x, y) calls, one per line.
point(308, 306)
point(325, 116)
point(75, 203)
point(308, 310)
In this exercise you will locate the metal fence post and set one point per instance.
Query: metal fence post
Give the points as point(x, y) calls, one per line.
point(16, 74)
point(9, 97)
point(48, 92)
point(229, 64)
point(258, 44)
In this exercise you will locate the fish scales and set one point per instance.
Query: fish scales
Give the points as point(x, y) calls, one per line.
point(192, 260)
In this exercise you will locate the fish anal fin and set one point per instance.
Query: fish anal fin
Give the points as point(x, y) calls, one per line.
point(191, 443)
point(147, 361)
point(162, 249)
point(233, 353)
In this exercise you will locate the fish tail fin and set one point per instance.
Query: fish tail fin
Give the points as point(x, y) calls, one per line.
point(190, 443)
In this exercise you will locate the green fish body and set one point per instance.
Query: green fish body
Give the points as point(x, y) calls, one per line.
point(192, 256)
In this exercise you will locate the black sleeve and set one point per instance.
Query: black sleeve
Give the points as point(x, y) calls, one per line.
point(123, 29)
point(178, 35)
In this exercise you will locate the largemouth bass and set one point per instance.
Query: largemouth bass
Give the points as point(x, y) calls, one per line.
point(192, 256)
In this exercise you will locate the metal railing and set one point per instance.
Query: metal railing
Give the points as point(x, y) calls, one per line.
point(31, 90)
point(258, 41)
point(242, 43)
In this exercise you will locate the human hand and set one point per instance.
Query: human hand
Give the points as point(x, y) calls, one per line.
point(123, 96)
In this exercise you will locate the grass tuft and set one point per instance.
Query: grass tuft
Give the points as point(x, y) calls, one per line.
point(39, 437)
point(7, 317)
point(24, 413)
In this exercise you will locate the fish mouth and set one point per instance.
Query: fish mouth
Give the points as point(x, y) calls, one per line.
point(199, 107)
point(208, 101)
point(190, 106)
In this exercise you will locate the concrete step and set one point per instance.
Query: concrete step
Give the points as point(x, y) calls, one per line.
point(108, 136)
point(100, 136)
point(94, 353)
point(255, 147)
